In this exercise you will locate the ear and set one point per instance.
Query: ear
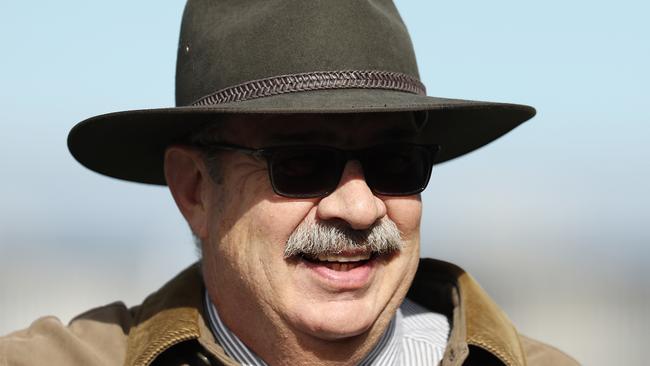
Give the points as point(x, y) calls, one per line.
point(189, 184)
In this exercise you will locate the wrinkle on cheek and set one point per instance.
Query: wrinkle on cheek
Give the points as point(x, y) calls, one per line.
point(279, 218)
point(259, 242)
point(250, 187)
point(274, 223)
point(244, 192)
point(406, 215)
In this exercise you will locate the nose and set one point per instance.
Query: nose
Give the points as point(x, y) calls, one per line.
point(352, 201)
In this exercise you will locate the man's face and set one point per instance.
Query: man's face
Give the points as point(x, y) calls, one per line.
point(245, 269)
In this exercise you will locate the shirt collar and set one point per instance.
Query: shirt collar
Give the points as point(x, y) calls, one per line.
point(387, 350)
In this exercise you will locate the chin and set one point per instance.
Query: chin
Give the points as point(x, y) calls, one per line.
point(337, 320)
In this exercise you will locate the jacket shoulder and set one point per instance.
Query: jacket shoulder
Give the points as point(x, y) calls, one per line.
point(541, 354)
point(96, 337)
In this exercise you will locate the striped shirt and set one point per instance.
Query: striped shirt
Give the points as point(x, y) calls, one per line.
point(415, 336)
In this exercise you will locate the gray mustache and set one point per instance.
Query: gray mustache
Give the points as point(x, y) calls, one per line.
point(315, 238)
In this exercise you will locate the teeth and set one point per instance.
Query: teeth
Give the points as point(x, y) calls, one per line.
point(340, 258)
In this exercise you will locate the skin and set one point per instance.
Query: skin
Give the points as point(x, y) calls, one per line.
point(278, 308)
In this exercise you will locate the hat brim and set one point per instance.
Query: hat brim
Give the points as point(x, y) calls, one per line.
point(130, 145)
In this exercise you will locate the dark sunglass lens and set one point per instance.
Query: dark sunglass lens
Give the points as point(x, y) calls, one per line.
point(308, 172)
point(397, 170)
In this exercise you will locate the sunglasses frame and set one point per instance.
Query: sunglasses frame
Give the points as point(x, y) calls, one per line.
point(353, 154)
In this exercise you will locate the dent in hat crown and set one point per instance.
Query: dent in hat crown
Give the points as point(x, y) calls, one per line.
point(224, 43)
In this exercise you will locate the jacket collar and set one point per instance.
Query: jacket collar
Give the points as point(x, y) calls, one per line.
point(167, 317)
point(174, 314)
point(476, 320)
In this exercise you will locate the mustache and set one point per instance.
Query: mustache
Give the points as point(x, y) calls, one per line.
point(334, 237)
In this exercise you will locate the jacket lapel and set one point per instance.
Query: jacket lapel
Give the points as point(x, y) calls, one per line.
point(167, 317)
point(476, 320)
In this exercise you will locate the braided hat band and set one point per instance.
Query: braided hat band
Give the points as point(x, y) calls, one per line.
point(319, 80)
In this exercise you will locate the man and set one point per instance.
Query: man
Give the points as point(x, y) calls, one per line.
point(297, 154)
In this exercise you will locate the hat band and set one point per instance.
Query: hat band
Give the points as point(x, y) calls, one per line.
point(319, 80)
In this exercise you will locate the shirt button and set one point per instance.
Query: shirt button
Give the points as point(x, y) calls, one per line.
point(203, 358)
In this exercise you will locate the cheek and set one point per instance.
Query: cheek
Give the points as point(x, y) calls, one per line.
point(251, 206)
point(249, 221)
point(274, 221)
point(406, 212)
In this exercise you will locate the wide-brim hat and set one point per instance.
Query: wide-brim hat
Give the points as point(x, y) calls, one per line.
point(287, 57)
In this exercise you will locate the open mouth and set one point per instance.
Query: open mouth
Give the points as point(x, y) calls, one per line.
point(346, 271)
point(339, 262)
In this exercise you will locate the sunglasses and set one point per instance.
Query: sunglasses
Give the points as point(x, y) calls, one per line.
point(315, 171)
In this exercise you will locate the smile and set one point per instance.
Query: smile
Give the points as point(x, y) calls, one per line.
point(346, 271)
point(339, 262)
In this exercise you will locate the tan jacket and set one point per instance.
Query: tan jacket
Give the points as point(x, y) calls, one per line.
point(168, 328)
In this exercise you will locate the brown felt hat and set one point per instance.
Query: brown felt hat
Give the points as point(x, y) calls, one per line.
point(286, 57)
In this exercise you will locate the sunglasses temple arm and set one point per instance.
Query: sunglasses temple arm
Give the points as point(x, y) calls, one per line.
point(258, 153)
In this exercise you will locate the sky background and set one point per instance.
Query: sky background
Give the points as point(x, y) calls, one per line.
point(552, 219)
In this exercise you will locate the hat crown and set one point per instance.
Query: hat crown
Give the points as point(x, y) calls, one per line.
point(228, 42)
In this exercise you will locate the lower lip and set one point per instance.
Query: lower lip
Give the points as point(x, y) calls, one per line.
point(353, 279)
